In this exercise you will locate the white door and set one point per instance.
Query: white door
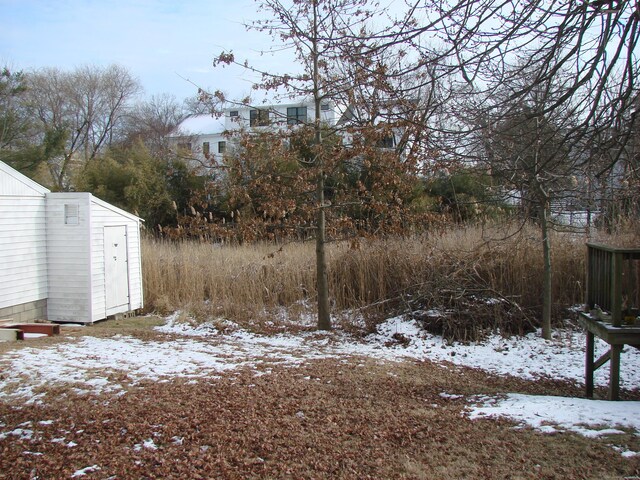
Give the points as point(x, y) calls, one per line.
point(116, 270)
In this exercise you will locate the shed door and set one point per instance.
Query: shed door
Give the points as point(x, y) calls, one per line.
point(115, 269)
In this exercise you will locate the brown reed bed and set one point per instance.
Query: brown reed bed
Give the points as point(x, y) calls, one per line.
point(461, 282)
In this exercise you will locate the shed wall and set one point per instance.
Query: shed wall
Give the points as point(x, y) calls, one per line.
point(68, 259)
point(103, 214)
point(23, 248)
point(13, 183)
point(52, 263)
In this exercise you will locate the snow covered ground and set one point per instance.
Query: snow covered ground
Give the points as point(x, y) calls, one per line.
point(94, 364)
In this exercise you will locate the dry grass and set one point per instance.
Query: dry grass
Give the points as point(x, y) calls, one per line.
point(232, 281)
point(455, 271)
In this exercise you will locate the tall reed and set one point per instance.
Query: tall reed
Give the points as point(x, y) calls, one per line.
point(447, 270)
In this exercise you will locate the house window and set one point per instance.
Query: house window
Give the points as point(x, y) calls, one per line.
point(71, 214)
point(296, 115)
point(324, 107)
point(258, 118)
point(184, 147)
point(388, 141)
point(222, 146)
point(233, 113)
point(205, 149)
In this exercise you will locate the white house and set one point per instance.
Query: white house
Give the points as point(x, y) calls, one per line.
point(204, 138)
point(66, 257)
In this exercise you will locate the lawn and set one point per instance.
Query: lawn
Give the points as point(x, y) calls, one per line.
point(160, 398)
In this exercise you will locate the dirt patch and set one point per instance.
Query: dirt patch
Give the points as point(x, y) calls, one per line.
point(348, 418)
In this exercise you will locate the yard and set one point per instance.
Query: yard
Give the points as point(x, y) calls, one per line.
point(165, 398)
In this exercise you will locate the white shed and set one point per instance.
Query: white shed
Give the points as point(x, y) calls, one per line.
point(65, 257)
point(23, 246)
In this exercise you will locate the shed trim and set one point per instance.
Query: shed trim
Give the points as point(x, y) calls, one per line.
point(115, 209)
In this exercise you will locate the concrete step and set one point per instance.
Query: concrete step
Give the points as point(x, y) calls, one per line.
point(11, 334)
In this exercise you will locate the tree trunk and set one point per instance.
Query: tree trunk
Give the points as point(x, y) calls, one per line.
point(324, 314)
point(324, 317)
point(546, 282)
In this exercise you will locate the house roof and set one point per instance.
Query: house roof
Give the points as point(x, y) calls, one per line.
point(203, 124)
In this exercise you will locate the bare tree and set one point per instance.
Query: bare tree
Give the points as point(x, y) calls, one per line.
point(87, 104)
point(527, 155)
point(581, 54)
point(150, 121)
point(526, 66)
point(320, 35)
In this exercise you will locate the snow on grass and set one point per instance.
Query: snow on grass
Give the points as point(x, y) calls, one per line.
point(528, 357)
point(103, 365)
point(548, 414)
point(99, 364)
point(34, 335)
point(173, 325)
point(624, 452)
point(19, 433)
point(84, 471)
point(149, 444)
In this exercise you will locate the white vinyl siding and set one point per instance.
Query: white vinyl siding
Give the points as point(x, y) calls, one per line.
point(23, 248)
point(84, 257)
point(68, 251)
point(52, 248)
point(103, 215)
point(13, 183)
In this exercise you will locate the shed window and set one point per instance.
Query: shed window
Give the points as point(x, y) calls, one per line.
point(222, 147)
point(71, 214)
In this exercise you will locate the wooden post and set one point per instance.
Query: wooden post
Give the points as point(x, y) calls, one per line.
point(588, 297)
point(616, 289)
point(589, 364)
point(636, 263)
point(614, 375)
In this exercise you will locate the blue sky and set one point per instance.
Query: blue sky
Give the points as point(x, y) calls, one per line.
point(158, 41)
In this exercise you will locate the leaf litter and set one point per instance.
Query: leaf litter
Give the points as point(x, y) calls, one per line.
point(123, 368)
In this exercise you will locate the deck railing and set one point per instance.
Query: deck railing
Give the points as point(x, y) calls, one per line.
point(613, 280)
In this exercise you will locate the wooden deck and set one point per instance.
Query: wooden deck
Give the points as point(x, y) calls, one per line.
point(613, 301)
point(617, 338)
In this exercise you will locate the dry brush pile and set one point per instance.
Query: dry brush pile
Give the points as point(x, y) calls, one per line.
point(460, 283)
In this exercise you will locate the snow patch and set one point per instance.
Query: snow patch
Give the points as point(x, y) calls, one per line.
point(20, 433)
point(108, 365)
point(548, 414)
point(83, 471)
